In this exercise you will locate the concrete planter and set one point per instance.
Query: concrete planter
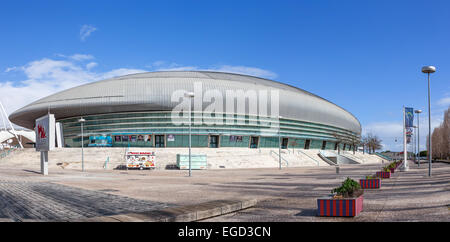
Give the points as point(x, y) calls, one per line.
point(345, 207)
point(370, 183)
point(384, 174)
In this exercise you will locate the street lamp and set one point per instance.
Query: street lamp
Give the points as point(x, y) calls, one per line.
point(429, 70)
point(414, 140)
point(418, 111)
point(82, 120)
point(189, 95)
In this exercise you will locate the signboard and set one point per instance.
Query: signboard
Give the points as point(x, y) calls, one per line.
point(100, 141)
point(170, 137)
point(141, 160)
point(45, 133)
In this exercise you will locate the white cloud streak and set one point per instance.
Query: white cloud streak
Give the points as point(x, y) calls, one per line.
point(86, 31)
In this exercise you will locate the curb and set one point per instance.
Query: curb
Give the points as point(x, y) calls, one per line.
point(187, 213)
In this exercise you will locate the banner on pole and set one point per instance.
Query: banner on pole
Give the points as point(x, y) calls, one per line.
point(409, 117)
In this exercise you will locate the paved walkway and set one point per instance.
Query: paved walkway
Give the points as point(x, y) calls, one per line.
point(26, 201)
point(407, 196)
point(286, 195)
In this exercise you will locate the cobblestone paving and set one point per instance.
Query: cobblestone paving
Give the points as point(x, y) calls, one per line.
point(23, 201)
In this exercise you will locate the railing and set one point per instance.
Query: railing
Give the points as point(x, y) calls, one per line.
point(352, 157)
point(330, 162)
point(300, 151)
point(383, 156)
point(8, 152)
point(106, 163)
point(287, 162)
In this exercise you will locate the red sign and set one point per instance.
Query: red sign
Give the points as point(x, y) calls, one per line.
point(41, 132)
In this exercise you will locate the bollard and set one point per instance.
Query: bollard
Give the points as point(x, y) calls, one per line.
point(337, 169)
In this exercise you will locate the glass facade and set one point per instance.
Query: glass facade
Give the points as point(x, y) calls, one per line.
point(160, 129)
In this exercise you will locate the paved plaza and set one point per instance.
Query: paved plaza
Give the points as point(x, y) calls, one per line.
point(284, 195)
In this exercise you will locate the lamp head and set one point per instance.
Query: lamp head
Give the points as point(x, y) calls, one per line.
point(418, 111)
point(189, 94)
point(428, 69)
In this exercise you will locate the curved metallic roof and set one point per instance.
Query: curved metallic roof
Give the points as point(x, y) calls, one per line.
point(152, 92)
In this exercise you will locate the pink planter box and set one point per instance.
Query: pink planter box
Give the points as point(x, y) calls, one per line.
point(370, 183)
point(383, 174)
point(346, 207)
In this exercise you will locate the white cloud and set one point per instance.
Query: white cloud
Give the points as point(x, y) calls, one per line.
point(14, 68)
point(445, 101)
point(390, 132)
point(81, 57)
point(86, 31)
point(91, 65)
point(48, 76)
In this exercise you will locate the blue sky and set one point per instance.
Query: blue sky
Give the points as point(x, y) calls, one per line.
point(362, 55)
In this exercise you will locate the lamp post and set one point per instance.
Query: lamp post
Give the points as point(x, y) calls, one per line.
point(82, 120)
point(414, 140)
point(190, 95)
point(429, 70)
point(418, 111)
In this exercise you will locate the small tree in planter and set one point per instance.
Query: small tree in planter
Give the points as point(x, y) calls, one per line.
point(392, 167)
point(370, 182)
point(345, 201)
point(384, 173)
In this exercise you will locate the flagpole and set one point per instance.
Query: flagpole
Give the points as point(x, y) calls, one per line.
point(405, 154)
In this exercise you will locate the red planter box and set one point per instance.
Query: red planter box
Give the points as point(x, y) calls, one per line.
point(345, 207)
point(384, 174)
point(370, 183)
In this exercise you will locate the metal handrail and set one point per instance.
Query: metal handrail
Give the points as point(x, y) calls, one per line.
point(300, 151)
point(330, 162)
point(383, 156)
point(287, 162)
point(352, 156)
point(106, 163)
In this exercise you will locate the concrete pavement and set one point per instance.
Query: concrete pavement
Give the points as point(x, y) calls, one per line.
point(285, 195)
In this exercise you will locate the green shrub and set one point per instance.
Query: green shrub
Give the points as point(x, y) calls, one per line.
point(349, 188)
point(371, 177)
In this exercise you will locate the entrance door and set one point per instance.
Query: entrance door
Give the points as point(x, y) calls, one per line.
point(159, 140)
point(307, 144)
point(324, 144)
point(284, 143)
point(213, 141)
point(254, 142)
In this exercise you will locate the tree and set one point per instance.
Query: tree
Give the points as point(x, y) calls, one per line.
point(355, 142)
point(440, 138)
point(372, 142)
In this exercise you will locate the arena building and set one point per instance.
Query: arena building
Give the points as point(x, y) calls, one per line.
point(137, 111)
